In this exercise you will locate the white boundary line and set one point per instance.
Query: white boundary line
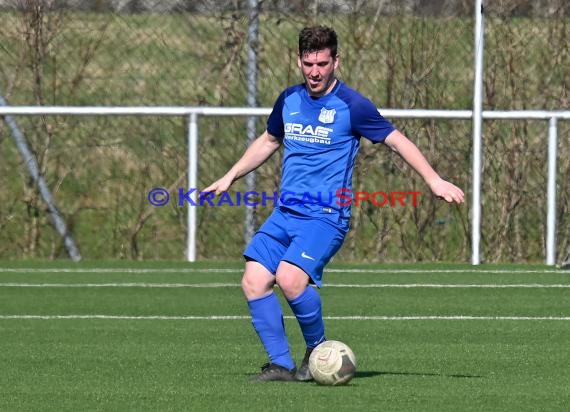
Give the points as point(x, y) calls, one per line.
point(223, 317)
point(121, 285)
point(227, 270)
point(330, 285)
point(450, 286)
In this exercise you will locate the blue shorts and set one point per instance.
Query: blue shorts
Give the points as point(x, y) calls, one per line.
point(304, 241)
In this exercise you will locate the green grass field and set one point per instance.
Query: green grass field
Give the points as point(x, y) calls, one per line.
point(132, 336)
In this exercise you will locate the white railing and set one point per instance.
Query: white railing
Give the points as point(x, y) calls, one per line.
point(193, 113)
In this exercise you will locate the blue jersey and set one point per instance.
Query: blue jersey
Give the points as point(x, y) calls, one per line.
point(321, 137)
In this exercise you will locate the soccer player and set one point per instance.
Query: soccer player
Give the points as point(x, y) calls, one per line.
point(319, 123)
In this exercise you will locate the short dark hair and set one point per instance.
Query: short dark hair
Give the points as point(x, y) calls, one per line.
point(312, 39)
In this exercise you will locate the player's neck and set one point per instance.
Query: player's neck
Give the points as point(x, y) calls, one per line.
point(329, 89)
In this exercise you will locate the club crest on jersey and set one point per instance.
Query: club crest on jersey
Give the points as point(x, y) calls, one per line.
point(327, 116)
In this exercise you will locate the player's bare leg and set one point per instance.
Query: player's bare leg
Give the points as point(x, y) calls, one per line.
point(257, 281)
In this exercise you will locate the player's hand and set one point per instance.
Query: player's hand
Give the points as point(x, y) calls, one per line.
point(218, 187)
point(447, 191)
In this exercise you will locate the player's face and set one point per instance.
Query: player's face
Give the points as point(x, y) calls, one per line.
point(318, 71)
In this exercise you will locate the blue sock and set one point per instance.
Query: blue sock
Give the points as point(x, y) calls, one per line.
point(307, 309)
point(267, 320)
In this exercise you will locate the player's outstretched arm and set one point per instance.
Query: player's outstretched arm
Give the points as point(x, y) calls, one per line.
point(255, 155)
point(412, 155)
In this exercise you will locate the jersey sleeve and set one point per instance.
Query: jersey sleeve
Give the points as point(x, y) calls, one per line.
point(275, 125)
point(368, 122)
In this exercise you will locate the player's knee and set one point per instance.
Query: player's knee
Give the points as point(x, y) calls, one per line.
point(249, 286)
point(292, 285)
point(254, 287)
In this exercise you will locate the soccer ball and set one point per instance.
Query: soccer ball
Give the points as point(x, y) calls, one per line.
point(332, 363)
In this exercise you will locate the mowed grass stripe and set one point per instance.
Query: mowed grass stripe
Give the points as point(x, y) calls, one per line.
point(337, 301)
point(207, 365)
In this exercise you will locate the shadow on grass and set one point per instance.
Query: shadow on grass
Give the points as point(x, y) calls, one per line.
point(371, 374)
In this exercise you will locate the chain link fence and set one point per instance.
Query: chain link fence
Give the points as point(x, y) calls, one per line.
point(408, 54)
point(527, 66)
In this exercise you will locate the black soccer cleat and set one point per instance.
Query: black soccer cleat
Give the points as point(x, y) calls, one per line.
point(274, 372)
point(303, 374)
